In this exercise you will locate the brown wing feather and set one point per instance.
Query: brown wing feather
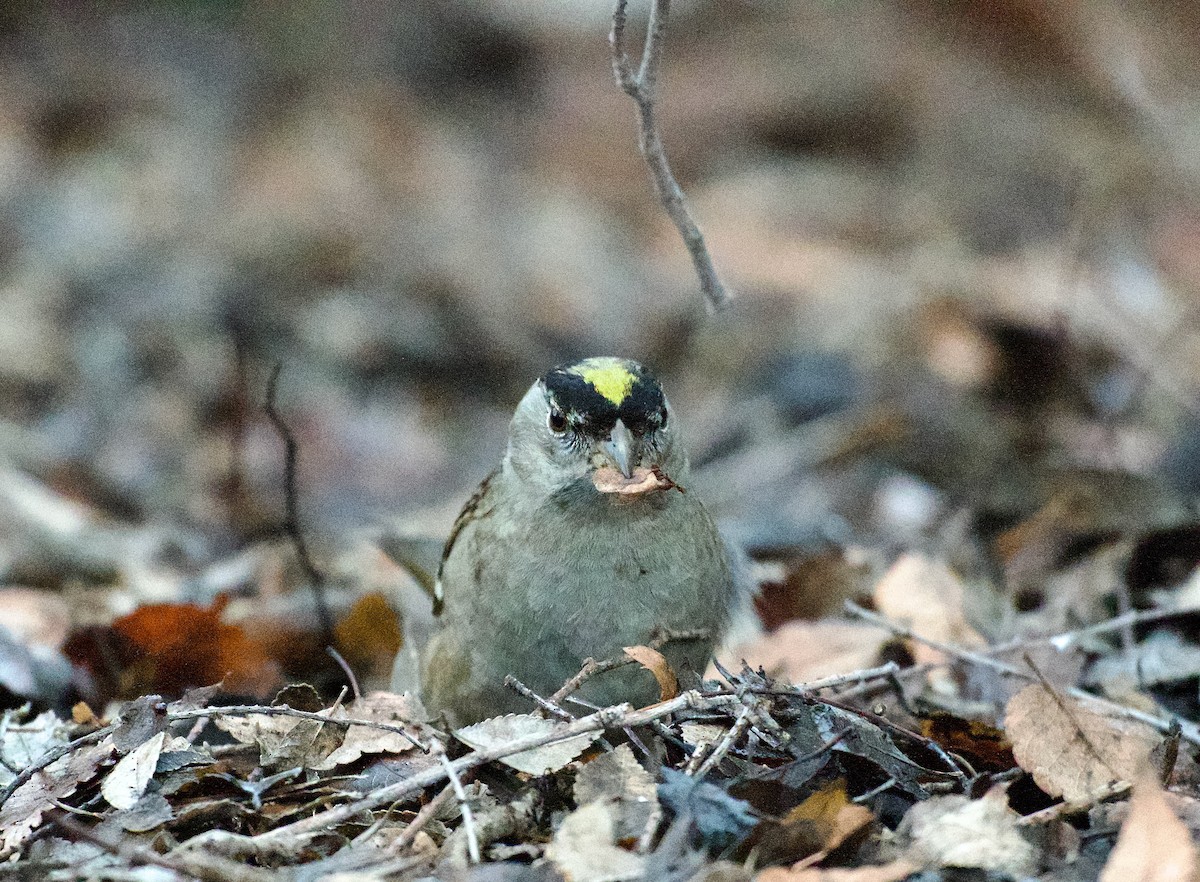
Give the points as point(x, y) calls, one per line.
point(470, 511)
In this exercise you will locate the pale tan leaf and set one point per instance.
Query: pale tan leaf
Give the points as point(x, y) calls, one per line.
point(617, 777)
point(584, 848)
point(22, 812)
point(1154, 845)
point(126, 783)
point(499, 731)
point(800, 651)
point(957, 831)
point(283, 741)
point(1071, 751)
point(926, 595)
point(893, 872)
point(656, 663)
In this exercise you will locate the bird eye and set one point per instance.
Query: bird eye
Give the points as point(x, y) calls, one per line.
point(558, 421)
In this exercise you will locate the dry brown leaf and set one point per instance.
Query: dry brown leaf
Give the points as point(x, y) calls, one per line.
point(656, 663)
point(957, 831)
point(22, 812)
point(893, 872)
point(617, 778)
point(83, 715)
point(1071, 751)
point(382, 707)
point(926, 595)
point(286, 742)
point(801, 651)
point(834, 818)
point(1154, 844)
point(168, 647)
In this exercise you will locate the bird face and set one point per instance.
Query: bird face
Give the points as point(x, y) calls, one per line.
point(601, 419)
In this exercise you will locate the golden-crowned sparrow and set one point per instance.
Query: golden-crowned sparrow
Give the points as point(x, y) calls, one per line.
point(585, 540)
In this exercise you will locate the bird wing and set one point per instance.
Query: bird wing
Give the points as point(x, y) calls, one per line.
point(473, 509)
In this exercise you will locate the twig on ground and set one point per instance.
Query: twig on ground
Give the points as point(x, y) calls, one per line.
point(744, 721)
point(544, 703)
point(291, 524)
point(874, 791)
point(424, 816)
point(464, 806)
point(1067, 639)
point(282, 710)
point(346, 669)
point(617, 716)
point(960, 652)
point(591, 667)
point(1190, 732)
point(642, 87)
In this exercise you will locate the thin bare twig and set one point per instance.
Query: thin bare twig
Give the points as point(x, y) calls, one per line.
point(544, 703)
point(615, 717)
point(1190, 732)
point(642, 87)
point(744, 721)
point(424, 816)
point(346, 669)
point(464, 806)
point(591, 667)
point(291, 524)
point(282, 710)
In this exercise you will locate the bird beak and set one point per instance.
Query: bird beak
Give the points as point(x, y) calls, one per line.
point(619, 448)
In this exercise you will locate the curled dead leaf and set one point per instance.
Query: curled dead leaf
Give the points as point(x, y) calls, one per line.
point(656, 663)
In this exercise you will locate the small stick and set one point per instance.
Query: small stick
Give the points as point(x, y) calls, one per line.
point(282, 710)
point(291, 524)
point(545, 704)
point(345, 666)
point(961, 652)
point(744, 721)
point(464, 804)
point(424, 816)
point(591, 667)
point(874, 791)
point(642, 87)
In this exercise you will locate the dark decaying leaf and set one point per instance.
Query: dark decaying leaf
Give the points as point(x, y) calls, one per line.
point(141, 720)
point(864, 739)
point(720, 819)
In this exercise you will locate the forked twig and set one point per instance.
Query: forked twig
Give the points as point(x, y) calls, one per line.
point(642, 87)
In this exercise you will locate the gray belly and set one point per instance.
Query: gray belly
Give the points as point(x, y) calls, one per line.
point(558, 588)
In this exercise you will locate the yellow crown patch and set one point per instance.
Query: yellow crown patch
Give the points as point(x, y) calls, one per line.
point(608, 376)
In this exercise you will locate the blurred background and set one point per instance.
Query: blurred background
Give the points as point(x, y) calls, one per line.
point(964, 240)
